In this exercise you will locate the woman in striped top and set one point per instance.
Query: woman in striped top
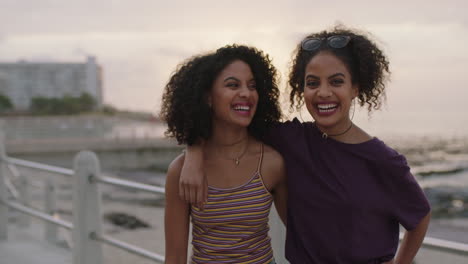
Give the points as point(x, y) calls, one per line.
point(227, 98)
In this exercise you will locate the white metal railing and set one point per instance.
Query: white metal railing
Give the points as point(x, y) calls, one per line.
point(443, 245)
point(86, 227)
point(33, 212)
point(446, 246)
point(38, 166)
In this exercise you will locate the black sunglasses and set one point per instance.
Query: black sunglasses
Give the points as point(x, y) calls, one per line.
point(336, 42)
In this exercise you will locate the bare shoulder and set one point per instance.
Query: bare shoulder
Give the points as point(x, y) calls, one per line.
point(271, 155)
point(175, 167)
point(272, 161)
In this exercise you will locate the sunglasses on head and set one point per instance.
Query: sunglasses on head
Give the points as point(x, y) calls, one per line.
point(336, 42)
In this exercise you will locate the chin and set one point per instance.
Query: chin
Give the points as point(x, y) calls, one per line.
point(241, 123)
point(325, 121)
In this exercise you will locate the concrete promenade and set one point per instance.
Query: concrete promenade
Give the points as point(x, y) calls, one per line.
point(27, 246)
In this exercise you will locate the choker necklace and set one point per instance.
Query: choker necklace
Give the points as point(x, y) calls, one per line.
point(238, 158)
point(325, 135)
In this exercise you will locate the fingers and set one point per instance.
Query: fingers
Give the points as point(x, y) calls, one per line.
point(193, 191)
point(202, 194)
point(199, 197)
point(192, 195)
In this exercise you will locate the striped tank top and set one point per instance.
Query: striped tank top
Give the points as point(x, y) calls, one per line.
point(233, 227)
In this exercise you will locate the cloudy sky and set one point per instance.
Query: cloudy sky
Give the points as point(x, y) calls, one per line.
point(139, 43)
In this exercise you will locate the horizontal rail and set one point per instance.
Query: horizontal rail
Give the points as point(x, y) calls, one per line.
point(128, 184)
point(38, 214)
point(446, 246)
point(128, 247)
point(443, 245)
point(39, 166)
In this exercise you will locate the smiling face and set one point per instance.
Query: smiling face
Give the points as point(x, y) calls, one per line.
point(234, 96)
point(328, 92)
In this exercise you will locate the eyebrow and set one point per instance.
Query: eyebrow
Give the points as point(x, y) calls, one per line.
point(231, 78)
point(337, 74)
point(312, 76)
point(332, 76)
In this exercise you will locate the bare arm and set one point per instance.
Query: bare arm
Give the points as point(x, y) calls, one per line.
point(192, 183)
point(411, 242)
point(280, 194)
point(273, 172)
point(176, 217)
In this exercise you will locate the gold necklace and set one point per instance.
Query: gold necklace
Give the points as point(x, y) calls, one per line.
point(238, 158)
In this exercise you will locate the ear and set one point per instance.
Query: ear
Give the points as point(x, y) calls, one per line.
point(209, 101)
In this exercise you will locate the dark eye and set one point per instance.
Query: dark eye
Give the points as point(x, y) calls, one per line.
point(312, 83)
point(232, 85)
point(337, 82)
point(252, 86)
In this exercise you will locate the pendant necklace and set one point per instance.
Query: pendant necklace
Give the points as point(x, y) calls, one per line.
point(325, 135)
point(238, 158)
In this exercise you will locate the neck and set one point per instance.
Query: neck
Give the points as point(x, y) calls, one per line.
point(227, 136)
point(338, 131)
point(229, 143)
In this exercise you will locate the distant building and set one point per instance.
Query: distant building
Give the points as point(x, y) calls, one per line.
point(22, 81)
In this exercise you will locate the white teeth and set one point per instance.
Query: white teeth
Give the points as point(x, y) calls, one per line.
point(327, 107)
point(241, 108)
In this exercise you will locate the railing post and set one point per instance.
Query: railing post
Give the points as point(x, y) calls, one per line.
point(86, 210)
point(25, 199)
point(3, 190)
point(49, 206)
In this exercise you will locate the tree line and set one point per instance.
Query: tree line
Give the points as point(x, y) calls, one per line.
point(66, 105)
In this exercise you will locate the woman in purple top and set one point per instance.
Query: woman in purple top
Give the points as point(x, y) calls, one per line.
point(348, 191)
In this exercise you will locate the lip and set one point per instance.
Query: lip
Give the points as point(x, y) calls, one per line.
point(245, 113)
point(327, 108)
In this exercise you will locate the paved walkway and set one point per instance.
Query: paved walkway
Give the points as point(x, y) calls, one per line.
point(26, 246)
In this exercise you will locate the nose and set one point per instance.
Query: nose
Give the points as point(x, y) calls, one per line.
point(244, 91)
point(324, 90)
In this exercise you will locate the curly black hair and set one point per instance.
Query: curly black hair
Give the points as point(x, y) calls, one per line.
point(184, 102)
point(367, 64)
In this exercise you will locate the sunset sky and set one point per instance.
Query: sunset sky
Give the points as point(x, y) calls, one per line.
point(139, 43)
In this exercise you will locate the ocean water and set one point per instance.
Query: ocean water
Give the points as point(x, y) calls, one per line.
point(441, 167)
point(436, 148)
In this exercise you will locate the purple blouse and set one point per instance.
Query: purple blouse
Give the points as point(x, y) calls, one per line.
point(345, 201)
